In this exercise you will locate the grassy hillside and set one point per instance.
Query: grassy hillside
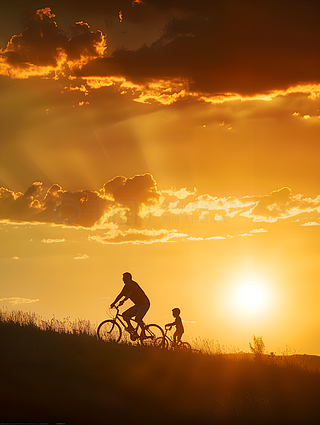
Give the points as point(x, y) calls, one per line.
point(68, 376)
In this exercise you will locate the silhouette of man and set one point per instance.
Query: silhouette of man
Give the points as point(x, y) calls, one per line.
point(134, 292)
point(178, 324)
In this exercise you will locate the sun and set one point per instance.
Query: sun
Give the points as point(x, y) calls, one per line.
point(250, 295)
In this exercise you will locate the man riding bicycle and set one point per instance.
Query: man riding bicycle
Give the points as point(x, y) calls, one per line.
point(134, 292)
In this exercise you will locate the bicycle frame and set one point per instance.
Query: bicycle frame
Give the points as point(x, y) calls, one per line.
point(167, 336)
point(170, 340)
point(118, 318)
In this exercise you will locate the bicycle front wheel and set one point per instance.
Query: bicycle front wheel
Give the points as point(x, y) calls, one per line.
point(109, 331)
point(153, 332)
point(161, 342)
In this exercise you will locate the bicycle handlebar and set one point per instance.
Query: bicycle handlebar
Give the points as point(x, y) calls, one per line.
point(115, 306)
point(113, 315)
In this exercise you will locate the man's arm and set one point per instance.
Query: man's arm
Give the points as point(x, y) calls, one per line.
point(123, 293)
point(116, 300)
point(126, 297)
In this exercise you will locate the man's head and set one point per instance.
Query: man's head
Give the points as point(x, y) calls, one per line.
point(127, 277)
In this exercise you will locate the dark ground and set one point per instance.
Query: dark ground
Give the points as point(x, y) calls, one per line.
point(75, 379)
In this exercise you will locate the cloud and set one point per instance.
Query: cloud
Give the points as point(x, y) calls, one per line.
point(312, 223)
point(196, 55)
point(141, 188)
point(134, 209)
point(188, 203)
point(41, 49)
point(53, 240)
point(307, 116)
point(281, 204)
point(135, 236)
point(216, 237)
point(204, 45)
point(119, 200)
point(19, 300)
point(81, 257)
point(162, 91)
point(180, 194)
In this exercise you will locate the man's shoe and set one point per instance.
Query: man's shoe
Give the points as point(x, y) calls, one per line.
point(134, 336)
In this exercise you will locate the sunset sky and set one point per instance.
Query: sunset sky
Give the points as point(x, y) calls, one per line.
point(178, 140)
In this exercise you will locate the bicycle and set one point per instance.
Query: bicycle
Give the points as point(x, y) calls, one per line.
point(110, 330)
point(166, 341)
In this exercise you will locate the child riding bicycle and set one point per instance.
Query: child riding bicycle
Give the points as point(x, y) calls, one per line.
point(179, 326)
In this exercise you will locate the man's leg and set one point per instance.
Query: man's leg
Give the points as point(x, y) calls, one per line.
point(127, 315)
point(142, 310)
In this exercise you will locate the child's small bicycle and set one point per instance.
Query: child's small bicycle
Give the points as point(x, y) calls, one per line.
point(166, 342)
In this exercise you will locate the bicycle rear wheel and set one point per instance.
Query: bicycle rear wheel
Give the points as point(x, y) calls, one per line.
point(153, 332)
point(109, 331)
point(184, 346)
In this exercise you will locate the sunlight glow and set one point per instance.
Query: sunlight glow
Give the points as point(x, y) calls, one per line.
point(250, 295)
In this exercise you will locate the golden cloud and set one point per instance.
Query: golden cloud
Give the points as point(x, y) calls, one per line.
point(136, 237)
point(281, 204)
point(19, 300)
point(53, 240)
point(81, 257)
point(127, 207)
point(120, 200)
point(42, 50)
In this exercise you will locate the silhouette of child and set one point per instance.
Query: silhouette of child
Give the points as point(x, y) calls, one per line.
point(178, 324)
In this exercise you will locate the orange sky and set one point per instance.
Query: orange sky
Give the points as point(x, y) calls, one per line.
point(180, 143)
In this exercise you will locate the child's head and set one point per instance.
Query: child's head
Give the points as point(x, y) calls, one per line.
point(176, 312)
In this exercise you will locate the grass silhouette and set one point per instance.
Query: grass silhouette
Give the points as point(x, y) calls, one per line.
point(57, 371)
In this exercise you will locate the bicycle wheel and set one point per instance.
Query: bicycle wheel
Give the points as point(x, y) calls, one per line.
point(152, 333)
point(109, 330)
point(161, 342)
point(184, 346)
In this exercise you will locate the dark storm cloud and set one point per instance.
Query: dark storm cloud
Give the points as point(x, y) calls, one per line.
point(213, 47)
point(120, 199)
point(243, 47)
point(42, 43)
